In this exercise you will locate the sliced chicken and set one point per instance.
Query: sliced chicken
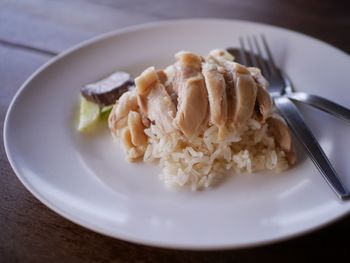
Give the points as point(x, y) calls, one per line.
point(258, 77)
point(263, 99)
point(239, 69)
point(118, 116)
point(133, 137)
point(126, 138)
point(225, 59)
point(170, 73)
point(230, 93)
point(216, 88)
point(162, 76)
point(241, 88)
point(138, 137)
point(263, 104)
point(154, 101)
point(250, 90)
point(133, 153)
point(144, 84)
point(281, 133)
point(221, 55)
point(169, 83)
point(145, 121)
point(246, 91)
point(192, 106)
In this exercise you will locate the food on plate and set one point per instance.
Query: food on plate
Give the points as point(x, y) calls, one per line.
point(106, 91)
point(201, 118)
point(88, 115)
point(97, 99)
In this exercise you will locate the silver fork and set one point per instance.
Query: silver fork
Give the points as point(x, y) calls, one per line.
point(289, 111)
point(315, 101)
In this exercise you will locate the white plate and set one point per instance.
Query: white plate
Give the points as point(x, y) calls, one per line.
point(87, 179)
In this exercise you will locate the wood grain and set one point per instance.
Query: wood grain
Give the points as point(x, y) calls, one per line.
point(57, 25)
point(31, 30)
point(326, 20)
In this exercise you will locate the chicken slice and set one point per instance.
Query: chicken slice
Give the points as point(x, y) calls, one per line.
point(154, 100)
point(216, 88)
point(192, 94)
point(263, 100)
point(230, 93)
point(138, 137)
point(225, 60)
point(281, 133)
point(133, 153)
point(126, 138)
point(170, 73)
point(263, 104)
point(241, 88)
point(258, 77)
point(170, 88)
point(133, 137)
point(221, 54)
point(118, 116)
point(246, 91)
point(162, 76)
point(144, 84)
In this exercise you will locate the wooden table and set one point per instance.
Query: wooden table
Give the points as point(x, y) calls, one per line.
point(33, 31)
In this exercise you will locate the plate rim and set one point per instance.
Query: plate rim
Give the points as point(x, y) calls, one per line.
point(142, 241)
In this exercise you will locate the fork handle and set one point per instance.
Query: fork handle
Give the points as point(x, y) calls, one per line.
point(296, 122)
point(322, 104)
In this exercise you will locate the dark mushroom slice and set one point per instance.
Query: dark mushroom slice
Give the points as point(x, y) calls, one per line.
point(106, 91)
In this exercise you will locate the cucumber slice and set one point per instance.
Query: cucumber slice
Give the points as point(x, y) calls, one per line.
point(89, 114)
point(105, 111)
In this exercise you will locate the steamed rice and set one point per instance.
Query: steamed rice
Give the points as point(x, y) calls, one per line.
point(202, 161)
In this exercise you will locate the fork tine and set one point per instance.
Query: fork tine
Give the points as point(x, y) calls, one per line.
point(251, 53)
point(260, 58)
point(242, 52)
point(270, 61)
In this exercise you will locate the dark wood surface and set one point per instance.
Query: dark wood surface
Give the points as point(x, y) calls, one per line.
point(33, 31)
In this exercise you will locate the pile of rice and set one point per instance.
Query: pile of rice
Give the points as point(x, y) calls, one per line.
point(201, 162)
